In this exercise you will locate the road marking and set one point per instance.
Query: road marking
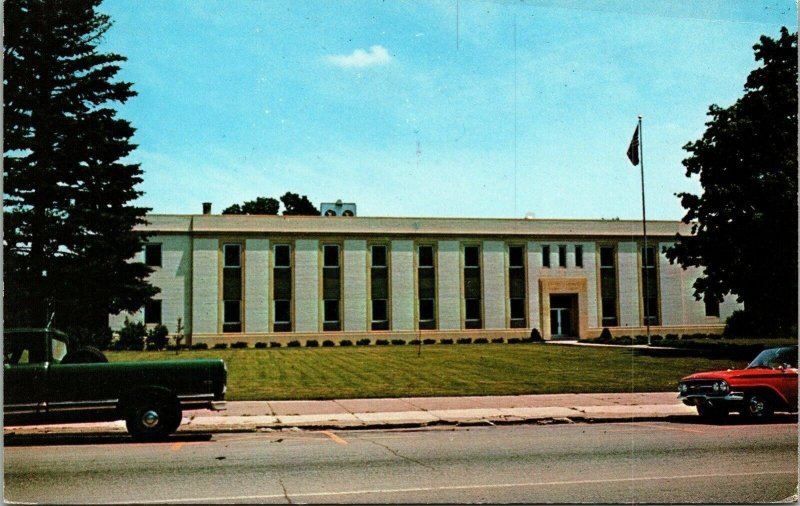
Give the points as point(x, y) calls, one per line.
point(489, 486)
point(336, 439)
point(662, 427)
point(175, 446)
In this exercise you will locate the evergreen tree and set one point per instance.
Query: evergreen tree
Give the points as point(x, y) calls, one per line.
point(744, 224)
point(68, 219)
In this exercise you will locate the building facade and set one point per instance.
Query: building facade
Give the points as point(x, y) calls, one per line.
point(232, 278)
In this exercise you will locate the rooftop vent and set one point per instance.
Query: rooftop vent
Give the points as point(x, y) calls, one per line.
point(206, 207)
point(337, 208)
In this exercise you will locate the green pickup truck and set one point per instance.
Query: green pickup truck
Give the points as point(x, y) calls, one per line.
point(48, 379)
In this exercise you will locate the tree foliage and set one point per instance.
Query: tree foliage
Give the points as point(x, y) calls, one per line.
point(744, 224)
point(261, 205)
point(293, 204)
point(67, 189)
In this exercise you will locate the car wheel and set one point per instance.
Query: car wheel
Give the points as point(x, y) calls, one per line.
point(712, 413)
point(758, 407)
point(153, 418)
point(85, 355)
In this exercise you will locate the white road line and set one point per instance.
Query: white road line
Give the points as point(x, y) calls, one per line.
point(490, 486)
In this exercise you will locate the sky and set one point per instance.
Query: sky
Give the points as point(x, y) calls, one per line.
point(452, 108)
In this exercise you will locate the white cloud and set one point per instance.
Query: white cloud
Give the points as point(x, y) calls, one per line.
point(377, 55)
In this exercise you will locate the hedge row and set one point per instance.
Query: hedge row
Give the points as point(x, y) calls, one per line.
point(313, 343)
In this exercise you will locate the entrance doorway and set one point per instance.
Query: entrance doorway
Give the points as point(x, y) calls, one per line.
point(563, 315)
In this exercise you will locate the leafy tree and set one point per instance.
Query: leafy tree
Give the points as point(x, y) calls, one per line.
point(261, 205)
point(294, 204)
point(68, 218)
point(744, 225)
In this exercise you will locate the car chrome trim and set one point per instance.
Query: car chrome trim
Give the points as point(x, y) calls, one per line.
point(78, 405)
point(731, 397)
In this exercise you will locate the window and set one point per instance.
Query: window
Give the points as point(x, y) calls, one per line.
point(562, 256)
point(516, 287)
point(152, 255)
point(152, 312)
point(545, 256)
point(426, 310)
point(282, 288)
point(649, 286)
point(331, 287)
point(379, 287)
point(426, 287)
point(578, 256)
point(608, 286)
point(232, 287)
point(712, 307)
point(472, 287)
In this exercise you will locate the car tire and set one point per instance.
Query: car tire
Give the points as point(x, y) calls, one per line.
point(152, 418)
point(758, 407)
point(85, 355)
point(712, 413)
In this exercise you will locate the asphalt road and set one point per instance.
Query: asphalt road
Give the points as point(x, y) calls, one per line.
point(622, 462)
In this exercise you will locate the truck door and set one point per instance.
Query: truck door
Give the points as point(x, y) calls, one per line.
point(24, 373)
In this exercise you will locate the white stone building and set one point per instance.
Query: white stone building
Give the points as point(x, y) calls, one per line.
point(236, 278)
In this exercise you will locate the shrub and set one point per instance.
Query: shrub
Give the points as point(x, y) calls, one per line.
point(536, 335)
point(640, 339)
point(429, 341)
point(260, 345)
point(381, 342)
point(626, 340)
point(656, 338)
point(220, 346)
point(514, 340)
point(527, 340)
point(100, 337)
point(497, 340)
point(465, 340)
point(157, 338)
point(312, 343)
point(239, 344)
point(293, 344)
point(131, 336)
point(363, 342)
point(481, 340)
point(398, 342)
point(345, 342)
point(671, 337)
point(200, 346)
point(274, 344)
point(328, 343)
point(605, 336)
point(414, 342)
point(445, 341)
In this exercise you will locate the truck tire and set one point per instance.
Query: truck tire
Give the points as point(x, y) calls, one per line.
point(84, 355)
point(153, 417)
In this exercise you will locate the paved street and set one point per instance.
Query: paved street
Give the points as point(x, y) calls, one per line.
point(610, 462)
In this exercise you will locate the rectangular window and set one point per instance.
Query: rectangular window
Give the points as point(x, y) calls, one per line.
point(232, 287)
point(152, 255)
point(331, 287)
point(152, 312)
point(516, 287)
point(562, 256)
point(472, 287)
point(379, 288)
point(649, 285)
point(282, 288)
point(608, 286)
point(578, 256)
point(712, 307)
point(545, 256)
point(426, 287)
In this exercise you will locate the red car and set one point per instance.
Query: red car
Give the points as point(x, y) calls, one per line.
point(767, 385)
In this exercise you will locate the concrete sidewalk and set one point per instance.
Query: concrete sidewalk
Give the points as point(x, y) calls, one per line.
point(249, 416)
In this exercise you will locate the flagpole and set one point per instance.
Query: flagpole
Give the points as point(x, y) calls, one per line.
point(644, 230)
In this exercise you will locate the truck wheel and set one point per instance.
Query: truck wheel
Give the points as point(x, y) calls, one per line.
point(85, 355)
point(758, 407)
point(152, 419)
point(712, 413)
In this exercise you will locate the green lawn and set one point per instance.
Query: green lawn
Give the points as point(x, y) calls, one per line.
point(441, 370)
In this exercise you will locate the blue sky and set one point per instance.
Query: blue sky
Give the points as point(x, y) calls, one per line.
point(430, 108)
